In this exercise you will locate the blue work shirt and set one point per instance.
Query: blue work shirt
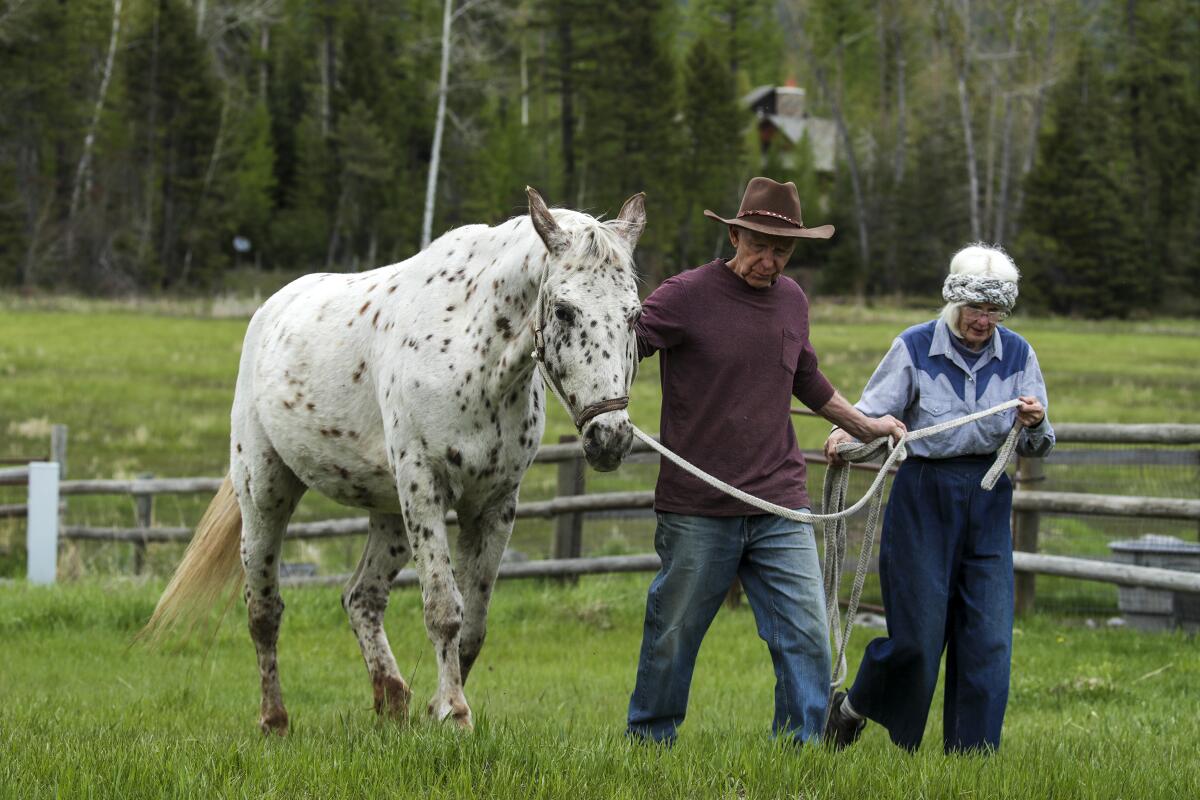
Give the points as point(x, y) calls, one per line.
point(923, 380)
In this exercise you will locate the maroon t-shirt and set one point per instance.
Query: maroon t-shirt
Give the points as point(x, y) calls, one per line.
point(731, 358)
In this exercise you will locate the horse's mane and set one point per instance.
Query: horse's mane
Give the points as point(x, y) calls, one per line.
point(593, 240)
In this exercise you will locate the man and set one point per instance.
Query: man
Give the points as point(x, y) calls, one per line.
point(734, 349)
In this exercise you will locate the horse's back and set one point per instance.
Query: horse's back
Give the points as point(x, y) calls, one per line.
point(304, 386)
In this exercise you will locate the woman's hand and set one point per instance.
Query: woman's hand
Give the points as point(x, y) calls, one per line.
point(1031, 411)
point(831, 445)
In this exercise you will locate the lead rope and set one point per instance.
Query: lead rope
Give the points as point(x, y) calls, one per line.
point(833, 497)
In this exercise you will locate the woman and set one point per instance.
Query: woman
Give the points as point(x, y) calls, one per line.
point(945, 558)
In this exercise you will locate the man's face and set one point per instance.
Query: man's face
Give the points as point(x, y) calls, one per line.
point(760, 258)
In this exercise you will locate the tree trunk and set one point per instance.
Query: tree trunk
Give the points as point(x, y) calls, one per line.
point(327, 55)
point(964, 108)
point(438, 127)
point(989, 171)
point(214, 158)
point(900, 156)
point(860, 209)
point(1035, 124)
point(524, 84)
point(147, 226)
point(998, 232)
point(335, 233)
point(83, 171)
point(566, 69)
point(264, 45)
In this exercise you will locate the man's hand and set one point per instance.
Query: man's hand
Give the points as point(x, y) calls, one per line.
point(1031, 411)
point(831, 444)
point(887, 425)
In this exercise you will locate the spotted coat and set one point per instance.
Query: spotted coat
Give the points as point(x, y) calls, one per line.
point(409, 391)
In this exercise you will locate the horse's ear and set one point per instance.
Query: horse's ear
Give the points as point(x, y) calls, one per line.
point(543, 222)
point(632, 220)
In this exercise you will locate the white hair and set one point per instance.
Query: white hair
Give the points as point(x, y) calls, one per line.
point(981, 260)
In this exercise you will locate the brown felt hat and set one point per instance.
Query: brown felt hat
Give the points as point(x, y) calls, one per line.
point(774, 209)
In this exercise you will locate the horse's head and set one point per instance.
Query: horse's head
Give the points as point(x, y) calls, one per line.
point(588, 305)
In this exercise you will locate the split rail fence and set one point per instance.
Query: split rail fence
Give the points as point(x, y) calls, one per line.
point(572, 503)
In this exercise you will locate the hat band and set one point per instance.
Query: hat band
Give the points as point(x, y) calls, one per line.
point(960, 288)
point(766, 213)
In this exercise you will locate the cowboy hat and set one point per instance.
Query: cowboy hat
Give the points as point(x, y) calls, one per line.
point(774, 209)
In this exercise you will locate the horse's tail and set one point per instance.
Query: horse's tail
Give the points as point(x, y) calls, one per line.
point(211, 568)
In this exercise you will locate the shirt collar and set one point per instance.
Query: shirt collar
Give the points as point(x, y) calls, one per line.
point(940, 346)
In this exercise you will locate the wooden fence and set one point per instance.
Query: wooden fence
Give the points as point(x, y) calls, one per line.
point(572, 503)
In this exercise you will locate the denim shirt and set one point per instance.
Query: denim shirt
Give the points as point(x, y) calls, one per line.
point(923, 381)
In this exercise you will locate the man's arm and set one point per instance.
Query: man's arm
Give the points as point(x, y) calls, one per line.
point(663, 321)
point(841, 413)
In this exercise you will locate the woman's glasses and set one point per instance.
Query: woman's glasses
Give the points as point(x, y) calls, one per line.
point(972, 313)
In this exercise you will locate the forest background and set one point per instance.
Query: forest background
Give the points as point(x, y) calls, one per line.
point(151, 146)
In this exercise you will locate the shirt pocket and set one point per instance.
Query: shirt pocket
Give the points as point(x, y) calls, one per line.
point(789, 353)
point(933, 401)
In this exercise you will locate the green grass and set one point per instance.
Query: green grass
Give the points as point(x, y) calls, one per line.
point(1097, 713)
point(145, 387)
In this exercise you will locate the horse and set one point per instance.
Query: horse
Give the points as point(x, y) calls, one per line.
point(409, 390)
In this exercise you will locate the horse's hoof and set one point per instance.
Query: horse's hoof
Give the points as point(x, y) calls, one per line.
point(463, 720)
point(392, 696)
point(274, 722)
point(456, 711)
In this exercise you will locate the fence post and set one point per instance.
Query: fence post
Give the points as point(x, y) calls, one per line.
point(41, 537)
point(144, 504)
point(58, 449)
point(1025, 532)
point(568, 531)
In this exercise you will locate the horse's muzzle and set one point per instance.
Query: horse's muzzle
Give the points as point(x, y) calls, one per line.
point(607, 440)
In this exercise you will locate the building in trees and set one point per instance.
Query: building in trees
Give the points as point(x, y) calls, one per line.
point(784, 122)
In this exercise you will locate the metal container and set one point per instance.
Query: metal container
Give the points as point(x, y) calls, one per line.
point(1159, 609)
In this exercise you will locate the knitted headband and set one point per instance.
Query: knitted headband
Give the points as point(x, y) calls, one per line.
point(960, 288)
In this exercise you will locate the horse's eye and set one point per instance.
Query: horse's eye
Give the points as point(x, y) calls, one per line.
point(564, 313)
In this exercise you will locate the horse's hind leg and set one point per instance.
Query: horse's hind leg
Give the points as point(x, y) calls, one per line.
point(268, 493)
point(365, 600)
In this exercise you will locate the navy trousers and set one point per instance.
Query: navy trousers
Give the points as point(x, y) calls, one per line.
point(945, 566)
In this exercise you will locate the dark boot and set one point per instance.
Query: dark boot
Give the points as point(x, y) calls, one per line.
point(842, 730)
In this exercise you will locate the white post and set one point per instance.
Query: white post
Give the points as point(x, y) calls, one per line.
point(42, 530)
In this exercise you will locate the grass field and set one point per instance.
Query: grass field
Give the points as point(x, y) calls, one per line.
point(1094, 713)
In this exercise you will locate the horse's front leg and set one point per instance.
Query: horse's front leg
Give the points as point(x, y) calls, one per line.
point(423, 501)
point(481, 543)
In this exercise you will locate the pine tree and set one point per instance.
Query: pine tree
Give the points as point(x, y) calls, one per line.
point(174, 105)
point(711, 166)
point(1159, 112)
point(300, 230)
point(747, 35)
point(251, 195)
point(1077, 249)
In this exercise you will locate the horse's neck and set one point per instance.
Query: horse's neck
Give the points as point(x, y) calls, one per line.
point(505, 307)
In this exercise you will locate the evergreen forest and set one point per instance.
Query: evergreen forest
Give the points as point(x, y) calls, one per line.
point(159, 146)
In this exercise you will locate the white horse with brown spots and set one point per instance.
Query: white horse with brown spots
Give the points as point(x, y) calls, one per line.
point(410, 391)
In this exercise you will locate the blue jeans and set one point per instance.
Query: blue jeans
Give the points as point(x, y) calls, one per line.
point(945, 568)
point(777, 562)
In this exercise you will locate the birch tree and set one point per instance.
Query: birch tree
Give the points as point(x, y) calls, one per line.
point(83, 171)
